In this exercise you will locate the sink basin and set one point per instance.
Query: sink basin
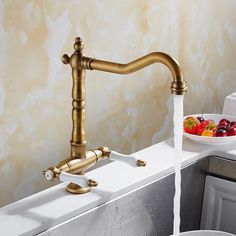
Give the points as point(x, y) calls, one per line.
point(206, 233)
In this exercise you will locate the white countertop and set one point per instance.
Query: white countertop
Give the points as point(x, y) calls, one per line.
point(52, 206)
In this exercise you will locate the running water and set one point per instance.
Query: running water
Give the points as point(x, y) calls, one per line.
point(178, 131)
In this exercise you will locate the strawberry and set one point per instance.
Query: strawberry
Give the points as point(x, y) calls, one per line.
point(191, 125)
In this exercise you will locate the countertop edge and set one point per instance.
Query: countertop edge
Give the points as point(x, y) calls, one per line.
point(54, 205)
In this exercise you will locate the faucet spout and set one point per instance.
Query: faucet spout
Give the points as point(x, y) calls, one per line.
point(178, 85)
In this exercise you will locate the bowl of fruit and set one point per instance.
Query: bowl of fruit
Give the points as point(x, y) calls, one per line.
point(210, 128)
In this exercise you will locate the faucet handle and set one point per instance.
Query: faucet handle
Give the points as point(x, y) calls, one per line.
point(130, 159)
point(65, 59)
point(82, 180)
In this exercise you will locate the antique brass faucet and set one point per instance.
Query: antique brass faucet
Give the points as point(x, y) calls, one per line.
point(81, 160)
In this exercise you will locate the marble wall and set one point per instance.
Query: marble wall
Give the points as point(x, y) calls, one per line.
point(126, 113)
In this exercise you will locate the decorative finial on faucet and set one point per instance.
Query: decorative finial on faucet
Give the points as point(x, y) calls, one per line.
point(78, 46)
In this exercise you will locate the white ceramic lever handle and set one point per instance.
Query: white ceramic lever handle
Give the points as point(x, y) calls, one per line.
point(129, 159)
point(81, 180)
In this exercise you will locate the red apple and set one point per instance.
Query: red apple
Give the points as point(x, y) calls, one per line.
point(232, 130)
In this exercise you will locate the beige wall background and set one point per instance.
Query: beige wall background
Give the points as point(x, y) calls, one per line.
point(126, 113)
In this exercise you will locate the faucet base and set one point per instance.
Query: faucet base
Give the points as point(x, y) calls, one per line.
point(76, 189)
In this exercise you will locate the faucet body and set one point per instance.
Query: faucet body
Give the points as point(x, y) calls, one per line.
point(79, 64)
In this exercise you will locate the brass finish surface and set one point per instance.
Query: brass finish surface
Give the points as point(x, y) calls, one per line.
point(81, 160)
point(92, 183)
point(75, 166)
point(78, 138)
point(141, 163)
point(178, 85)
point(79, 63)
point(76, 189)
point(105, 152)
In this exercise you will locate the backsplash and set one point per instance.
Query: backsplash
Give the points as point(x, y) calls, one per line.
point(125, 112)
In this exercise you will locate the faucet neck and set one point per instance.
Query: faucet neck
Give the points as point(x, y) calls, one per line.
point(78, 137)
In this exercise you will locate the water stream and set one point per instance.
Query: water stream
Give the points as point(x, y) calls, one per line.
point(178, 131)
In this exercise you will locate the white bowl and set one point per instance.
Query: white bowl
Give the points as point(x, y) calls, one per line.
point(212, 140)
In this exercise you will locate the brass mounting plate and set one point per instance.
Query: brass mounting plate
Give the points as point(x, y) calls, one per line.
point(76, 189)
